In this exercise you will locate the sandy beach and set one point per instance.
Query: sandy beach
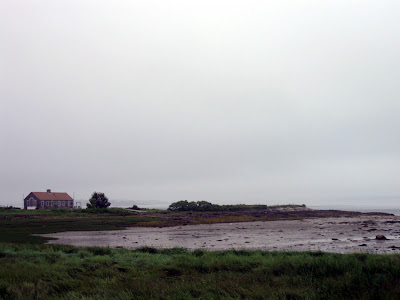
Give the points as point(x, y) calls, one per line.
point(338, 235)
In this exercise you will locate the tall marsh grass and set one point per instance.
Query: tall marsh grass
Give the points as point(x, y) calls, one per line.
point(64, 272)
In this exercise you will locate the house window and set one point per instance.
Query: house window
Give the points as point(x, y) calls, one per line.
point(52, 203)
point(47, 203)
point(31, 202)
point(42, 203)
point(63, 203)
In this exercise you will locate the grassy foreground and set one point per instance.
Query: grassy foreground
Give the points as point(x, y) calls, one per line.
point(64, 272)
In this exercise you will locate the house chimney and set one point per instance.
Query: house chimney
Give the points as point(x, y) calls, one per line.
point(49, 191)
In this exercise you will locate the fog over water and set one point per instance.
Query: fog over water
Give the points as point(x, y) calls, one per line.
point(224, 101)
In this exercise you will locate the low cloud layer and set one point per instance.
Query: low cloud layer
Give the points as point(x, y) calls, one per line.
point(226, 101)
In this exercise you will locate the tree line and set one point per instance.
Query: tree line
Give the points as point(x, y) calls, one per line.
point(184, 205)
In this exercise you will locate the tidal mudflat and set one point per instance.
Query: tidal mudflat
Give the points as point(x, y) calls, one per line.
point(337, 235)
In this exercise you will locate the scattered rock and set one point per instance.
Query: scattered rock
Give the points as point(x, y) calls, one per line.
point(380, 237)
point(391, 222)
point(362, 245)
point(335, 239)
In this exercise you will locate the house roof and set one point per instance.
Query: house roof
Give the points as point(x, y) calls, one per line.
point(52, 196)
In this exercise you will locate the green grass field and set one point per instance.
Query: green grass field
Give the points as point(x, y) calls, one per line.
point(64, 272)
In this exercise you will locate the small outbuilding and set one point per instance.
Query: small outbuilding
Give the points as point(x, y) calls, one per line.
point(48, 200)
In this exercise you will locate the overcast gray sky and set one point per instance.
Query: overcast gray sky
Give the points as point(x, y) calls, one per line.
point(226, 101)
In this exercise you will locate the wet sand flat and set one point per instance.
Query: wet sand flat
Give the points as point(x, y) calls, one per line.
point(338, 235)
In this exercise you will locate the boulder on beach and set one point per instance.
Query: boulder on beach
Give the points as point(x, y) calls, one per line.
point(381, 237)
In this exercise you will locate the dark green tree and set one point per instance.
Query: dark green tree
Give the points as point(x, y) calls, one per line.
point(206, 206)
point(182, 205)
point(98, 200)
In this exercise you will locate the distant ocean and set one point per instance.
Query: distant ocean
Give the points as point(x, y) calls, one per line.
point(390, 210)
